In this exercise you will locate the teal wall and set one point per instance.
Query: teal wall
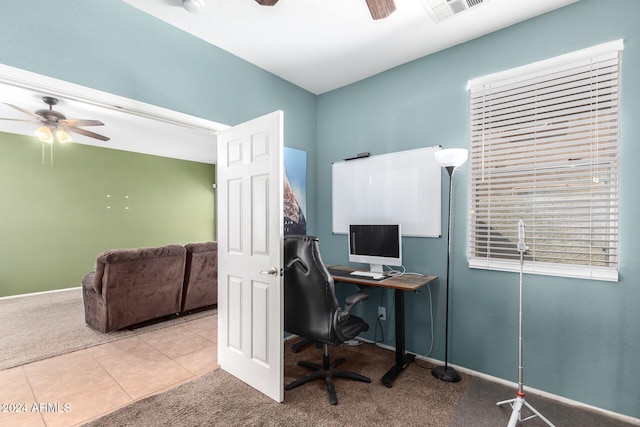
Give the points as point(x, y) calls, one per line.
point(58, 216)
point(582, 338)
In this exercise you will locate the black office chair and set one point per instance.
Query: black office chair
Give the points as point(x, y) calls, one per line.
point(311, 310)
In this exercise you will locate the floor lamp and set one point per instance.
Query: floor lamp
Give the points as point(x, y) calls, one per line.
point(450, 159)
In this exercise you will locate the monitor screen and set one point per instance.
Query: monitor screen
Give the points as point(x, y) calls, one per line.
point(375, 244)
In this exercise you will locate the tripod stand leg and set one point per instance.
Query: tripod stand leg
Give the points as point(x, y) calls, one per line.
point(516, 405)
point(539, 414)
point(509, 401)
point(516, 415)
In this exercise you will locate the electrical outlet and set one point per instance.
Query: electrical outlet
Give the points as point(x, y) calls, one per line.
point(382, 313)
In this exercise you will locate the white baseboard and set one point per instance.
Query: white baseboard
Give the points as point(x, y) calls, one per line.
point(611, 414)
point(39, 293)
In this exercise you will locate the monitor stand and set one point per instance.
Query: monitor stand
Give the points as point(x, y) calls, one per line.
point(376, 268)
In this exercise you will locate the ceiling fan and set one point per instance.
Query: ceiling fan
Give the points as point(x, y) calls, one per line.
point(379, 8)
point(55, 124)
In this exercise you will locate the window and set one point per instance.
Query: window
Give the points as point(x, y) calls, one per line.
point(544, 149)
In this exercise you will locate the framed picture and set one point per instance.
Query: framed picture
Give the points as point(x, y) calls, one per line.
point(295, 191)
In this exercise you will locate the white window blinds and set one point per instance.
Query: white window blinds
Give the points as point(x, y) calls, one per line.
point(544, 149)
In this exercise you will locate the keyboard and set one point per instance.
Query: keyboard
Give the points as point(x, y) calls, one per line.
point(369, 274)
point(337, 272)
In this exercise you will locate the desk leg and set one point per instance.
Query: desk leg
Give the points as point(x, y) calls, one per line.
point(402, 359)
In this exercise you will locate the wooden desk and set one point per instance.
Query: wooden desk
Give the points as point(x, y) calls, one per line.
point(410, 282)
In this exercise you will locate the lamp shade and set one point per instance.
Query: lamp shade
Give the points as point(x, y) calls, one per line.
point(193, 6)
point(451, 157)
point(44, 134)
point(62, 136)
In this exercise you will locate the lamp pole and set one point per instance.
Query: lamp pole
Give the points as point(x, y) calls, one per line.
point(445, 373)
point(450, 160)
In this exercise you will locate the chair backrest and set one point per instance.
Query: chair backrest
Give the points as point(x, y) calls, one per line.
point(309, 296)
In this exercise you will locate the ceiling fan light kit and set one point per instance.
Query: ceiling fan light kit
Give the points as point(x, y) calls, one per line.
point(46, 134)
point(267, 2)
point(193, 6)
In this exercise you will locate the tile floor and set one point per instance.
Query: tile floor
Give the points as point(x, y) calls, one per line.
point(74, 388)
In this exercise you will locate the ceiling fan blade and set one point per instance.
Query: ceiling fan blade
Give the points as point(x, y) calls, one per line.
point(22, 110)
point(86, 133)
point(77, 122)
point(381, 8)
point(267, 2)
point(16, 120)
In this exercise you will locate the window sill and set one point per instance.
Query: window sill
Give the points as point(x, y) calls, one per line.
point(547, 269)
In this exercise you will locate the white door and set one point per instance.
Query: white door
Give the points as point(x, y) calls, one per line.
point(250, 235)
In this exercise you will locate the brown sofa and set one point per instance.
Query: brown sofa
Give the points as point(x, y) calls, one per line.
point(200, 276)
point(133, 285)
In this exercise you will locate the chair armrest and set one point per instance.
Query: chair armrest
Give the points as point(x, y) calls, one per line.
point(342, 316)
point(354, 299)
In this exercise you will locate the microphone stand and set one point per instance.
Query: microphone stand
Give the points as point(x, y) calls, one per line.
point(519, 401)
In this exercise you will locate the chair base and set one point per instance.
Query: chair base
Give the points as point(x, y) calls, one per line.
point(303, 343)
point(327, 371)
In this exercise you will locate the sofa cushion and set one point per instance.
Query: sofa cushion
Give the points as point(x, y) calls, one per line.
point(135, 285)
point(114, 256)
point(196, 248)
point(200, 276)
point(119, 255)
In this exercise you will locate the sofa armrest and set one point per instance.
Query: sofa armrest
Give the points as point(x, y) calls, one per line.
point(88, 282)
point(97, 277)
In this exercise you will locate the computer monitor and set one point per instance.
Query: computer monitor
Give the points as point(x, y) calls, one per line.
point(376, 245)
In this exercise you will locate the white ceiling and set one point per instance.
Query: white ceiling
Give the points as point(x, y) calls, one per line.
point(321, 45)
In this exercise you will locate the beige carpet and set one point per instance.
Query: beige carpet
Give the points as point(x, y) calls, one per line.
point(45, 325)
point(416, 399)
point(217, 398)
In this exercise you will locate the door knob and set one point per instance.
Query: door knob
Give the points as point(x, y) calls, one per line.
point(273, 271)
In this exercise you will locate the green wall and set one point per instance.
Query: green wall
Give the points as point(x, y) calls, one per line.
point(582, 337)
point(56, 218)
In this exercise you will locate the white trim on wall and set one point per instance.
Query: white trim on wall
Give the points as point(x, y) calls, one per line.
point(132, 125)
point(78, 288)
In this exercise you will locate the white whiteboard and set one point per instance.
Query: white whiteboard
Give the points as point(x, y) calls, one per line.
point(396, 188)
